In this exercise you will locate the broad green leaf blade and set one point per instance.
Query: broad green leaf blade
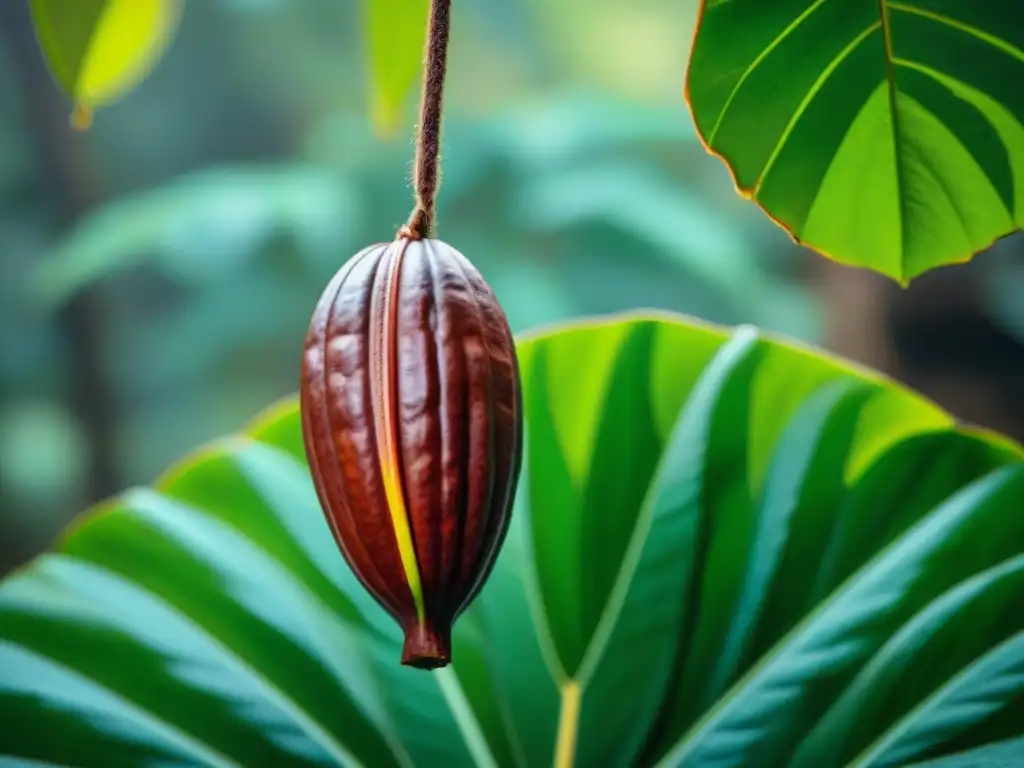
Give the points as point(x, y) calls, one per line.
point(727, 503)
point(182, 657)
point(840, 530)
point(618, 479)
point(766, 705)
point(912, 478)
point(483, 695)
point(297, 520)
point(396, 33)
point(521, 653)
point(97, 50)
point(555, 540)
point(211, 618)
point(282, 514)
point(888, 135)
point(979, 690)
point(649, 615)
point(283, 627)
point(948, 635)
point(790, 520)
point(998, 755)
point(1003, 725)
point(28, 672)
point(228, 585)
point(725, 633)
point(790, 373)
point(582, 505)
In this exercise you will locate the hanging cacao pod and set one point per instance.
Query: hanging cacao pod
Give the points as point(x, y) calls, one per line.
point(412, 423)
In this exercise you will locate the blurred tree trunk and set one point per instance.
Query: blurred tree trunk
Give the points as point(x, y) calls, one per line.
point(68, 185)
point(856, 304)
point(934, 336)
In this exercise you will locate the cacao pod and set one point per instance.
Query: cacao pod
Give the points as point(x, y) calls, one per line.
point(412, 424)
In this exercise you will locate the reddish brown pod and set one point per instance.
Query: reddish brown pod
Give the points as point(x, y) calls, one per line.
point(412, 422)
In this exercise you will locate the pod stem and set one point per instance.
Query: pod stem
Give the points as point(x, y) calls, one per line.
point(426, 174)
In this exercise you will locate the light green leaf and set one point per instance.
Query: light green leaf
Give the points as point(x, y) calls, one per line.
point(650, 612)
point(97, 50)
point(888, 135)
point(396, 33)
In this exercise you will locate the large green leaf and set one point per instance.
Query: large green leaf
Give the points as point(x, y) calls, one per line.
point(97, 50)
point(726, 549)
point(885, 134)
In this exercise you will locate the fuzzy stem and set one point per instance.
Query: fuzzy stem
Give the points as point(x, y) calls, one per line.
point(426, 174)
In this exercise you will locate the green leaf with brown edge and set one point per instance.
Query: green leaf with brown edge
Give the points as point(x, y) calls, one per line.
point(396, 33)
point(886, 134)
point(98, 50)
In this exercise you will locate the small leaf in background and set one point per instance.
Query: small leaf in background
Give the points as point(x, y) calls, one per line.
point(98, 50)
point(396, 31)
point(43, 456)
point(884, 135)
point(200, 226)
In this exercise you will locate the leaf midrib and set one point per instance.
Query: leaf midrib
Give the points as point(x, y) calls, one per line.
point(890, 76)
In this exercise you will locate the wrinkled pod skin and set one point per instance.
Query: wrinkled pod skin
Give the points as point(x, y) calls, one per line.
point(412, 423)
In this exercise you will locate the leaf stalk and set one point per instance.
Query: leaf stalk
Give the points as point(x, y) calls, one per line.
point(427, 169)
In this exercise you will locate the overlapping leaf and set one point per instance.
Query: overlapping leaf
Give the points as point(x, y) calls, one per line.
point(725, 548)
point(884, 134)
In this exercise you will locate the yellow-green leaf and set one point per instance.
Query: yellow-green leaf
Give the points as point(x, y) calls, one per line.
point(98, 50)
point(396, 32)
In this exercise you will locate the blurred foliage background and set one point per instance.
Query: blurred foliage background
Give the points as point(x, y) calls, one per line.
point(158, 272)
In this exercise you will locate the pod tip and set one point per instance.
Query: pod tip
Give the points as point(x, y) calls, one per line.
point(426, 647)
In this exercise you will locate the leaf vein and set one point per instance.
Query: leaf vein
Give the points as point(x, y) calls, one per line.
point(967, 29)
point(757, 62)
point(806, 101)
